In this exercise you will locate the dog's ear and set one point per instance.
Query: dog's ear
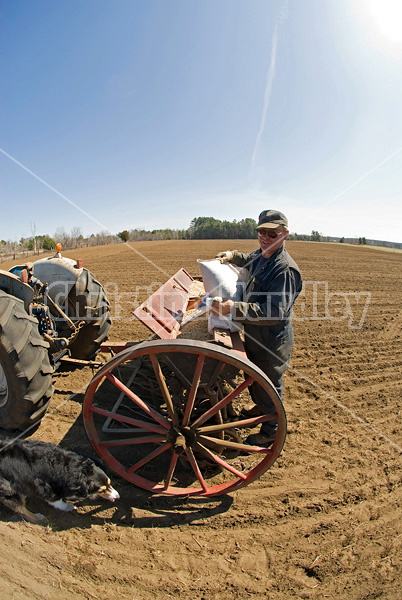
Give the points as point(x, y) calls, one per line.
point(90, 464)
point(87, 467)
point(95, 460)
point(99, 464)
point(91, 477)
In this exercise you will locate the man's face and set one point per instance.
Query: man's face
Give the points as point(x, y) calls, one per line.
point(271, 239)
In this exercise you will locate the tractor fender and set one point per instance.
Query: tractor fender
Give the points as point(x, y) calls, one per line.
point(61, 275)
point(12, 285)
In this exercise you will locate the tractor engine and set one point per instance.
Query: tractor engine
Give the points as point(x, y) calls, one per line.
point(39, 308)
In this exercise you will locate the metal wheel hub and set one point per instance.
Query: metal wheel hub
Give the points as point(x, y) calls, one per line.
point(181, 438)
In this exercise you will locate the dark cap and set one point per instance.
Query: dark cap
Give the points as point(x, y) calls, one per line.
point(271, 219)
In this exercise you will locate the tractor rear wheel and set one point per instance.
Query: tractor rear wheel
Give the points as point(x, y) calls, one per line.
point(88, 306)
point(25, 369)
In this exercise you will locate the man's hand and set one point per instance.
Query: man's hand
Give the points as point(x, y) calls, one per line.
point(226, 256)
point(220, 309)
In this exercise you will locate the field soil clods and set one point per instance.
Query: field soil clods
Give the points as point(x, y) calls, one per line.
point(323, 522)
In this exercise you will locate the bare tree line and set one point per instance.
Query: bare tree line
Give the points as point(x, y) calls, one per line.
point(200, 228)
point(38, 244)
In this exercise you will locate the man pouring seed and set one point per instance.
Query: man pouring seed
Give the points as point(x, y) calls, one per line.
point(272, 285)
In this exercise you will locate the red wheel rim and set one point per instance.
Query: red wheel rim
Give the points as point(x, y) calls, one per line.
point(158, 415)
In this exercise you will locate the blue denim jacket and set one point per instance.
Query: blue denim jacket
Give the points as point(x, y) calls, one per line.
point(270, 290)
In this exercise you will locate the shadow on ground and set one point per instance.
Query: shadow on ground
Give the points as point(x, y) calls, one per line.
point(136, 507)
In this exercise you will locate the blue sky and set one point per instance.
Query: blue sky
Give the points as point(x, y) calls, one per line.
point(146, 114)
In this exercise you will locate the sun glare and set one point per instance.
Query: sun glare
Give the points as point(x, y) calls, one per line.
point(387, 17)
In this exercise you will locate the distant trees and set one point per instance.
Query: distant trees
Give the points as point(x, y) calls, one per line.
point(45, 243)
point(62, 237)
point(48, 243)
point(315, 236)
point(205, 228)
point(76, 237)
point(124, 235)
point(302, 237)
point(38, 243)
point(202, 228)
point(105, 237)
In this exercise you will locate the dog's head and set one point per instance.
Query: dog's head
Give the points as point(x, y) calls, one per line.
point(100, 485)
point(105, 489)
point(93, 483)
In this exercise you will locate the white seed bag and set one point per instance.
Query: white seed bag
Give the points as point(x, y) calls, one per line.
point(219, 279)
point(224, 280)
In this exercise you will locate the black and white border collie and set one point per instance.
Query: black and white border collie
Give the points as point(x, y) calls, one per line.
point(30, 468)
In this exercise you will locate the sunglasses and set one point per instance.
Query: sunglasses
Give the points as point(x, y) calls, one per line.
point(270, 233)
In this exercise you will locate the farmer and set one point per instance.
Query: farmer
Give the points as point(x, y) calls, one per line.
point(272, 285)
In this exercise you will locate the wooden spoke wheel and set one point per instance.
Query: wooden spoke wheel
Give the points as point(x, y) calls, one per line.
point(166, 415)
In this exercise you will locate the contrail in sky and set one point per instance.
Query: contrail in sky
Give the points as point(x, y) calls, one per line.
point(270, 77)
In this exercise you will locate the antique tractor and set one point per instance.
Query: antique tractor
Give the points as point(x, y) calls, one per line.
point(171, 415)
point(51, 310)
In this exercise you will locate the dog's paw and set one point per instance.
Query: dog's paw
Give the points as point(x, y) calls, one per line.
point(29, 517)
point(64, 506)
point(40, 519)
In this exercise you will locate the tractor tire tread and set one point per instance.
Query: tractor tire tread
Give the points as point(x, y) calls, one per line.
point(26, 364)
point(89, 291)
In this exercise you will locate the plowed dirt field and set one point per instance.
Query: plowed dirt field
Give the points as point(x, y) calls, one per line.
point(323, 522)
